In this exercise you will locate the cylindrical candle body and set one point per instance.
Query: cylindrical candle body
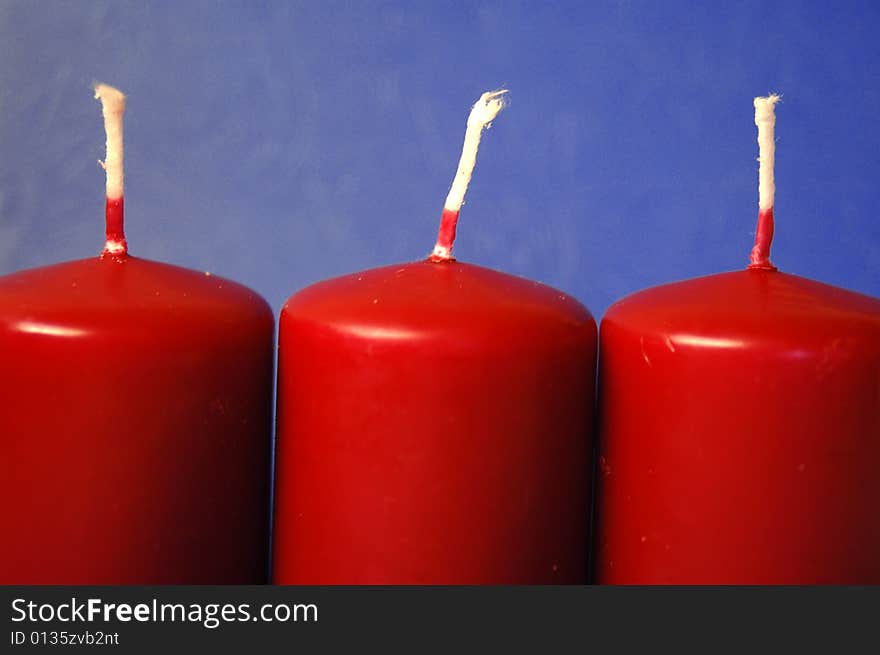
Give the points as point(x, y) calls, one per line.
point(434, 426)
point(135, 425)
point(740, 434)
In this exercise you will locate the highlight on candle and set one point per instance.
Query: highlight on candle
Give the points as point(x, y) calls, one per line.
point(765, 119)
point(482, 114)
point(113, 107)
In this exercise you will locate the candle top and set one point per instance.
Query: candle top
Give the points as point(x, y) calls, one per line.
point(420, 299)
point(765, 305)
point(84, 296)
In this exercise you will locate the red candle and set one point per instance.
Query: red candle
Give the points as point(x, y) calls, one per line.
point(434, 423)
point(136, 417)
point(740, 426)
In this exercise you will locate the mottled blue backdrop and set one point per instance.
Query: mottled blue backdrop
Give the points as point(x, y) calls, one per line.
point(279, 143)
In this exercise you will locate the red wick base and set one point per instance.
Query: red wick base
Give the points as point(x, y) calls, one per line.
point(445, 236)
point(760, 257)
point(116, 245)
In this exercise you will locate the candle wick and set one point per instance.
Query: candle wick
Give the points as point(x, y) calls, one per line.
point(482, 114)
point(765, 119)
point(113, 107)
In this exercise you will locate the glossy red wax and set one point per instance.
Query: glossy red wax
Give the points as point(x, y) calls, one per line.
point(740, 434)
point(135, 425)
point(434, 426)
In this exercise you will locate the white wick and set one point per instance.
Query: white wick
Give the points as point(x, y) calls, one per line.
point(113, 106)
point(765, 119)
point(481, 116)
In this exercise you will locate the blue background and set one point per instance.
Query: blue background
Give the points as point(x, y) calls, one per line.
point(281, 143)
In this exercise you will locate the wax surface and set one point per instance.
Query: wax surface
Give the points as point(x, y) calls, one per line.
point(135, 425)
point(434, 426)
point(740, 434)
